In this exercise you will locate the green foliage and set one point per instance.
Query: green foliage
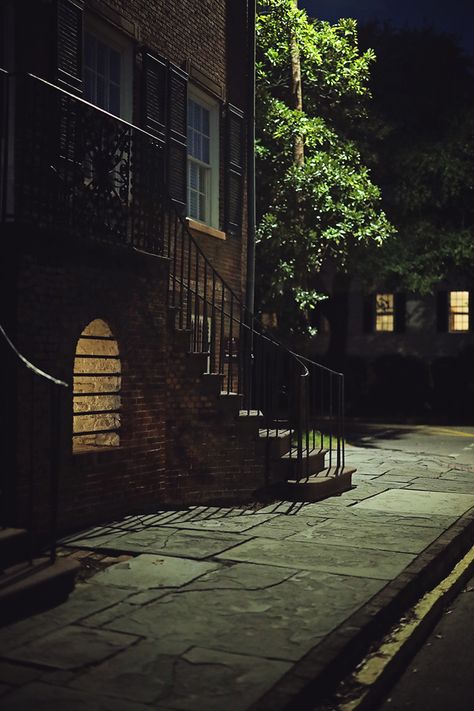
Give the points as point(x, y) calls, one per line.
point(328, 207)
point(423, 158)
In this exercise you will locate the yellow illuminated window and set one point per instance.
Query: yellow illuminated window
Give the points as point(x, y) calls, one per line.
point(384, 314)
point(458, 310)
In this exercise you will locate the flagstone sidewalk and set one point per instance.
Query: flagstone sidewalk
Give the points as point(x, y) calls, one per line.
point(215, 609)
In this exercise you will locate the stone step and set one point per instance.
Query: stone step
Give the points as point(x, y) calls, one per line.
point(172, 312)
point(312, 463)
point(328, 482)
point(196, 363)
point(25, 588)
point(229, 403)
point(277, 440)
point(182, 339)
point(211, 383)
point(13, 546)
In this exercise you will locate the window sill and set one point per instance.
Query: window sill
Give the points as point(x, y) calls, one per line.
point(201, 228)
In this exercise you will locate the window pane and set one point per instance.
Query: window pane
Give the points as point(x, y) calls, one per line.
point(384, 323)
point(193, 204)
point(205, 149)
point(202, 206)
point(89, 86)
point(193, 176)
point(101, 58)
point(198, 146)
point(114, 99)
point(458, 310)
point(205, 122)
point(114, 66)
point(102, 74)
point(384, 315)
point(100, 95)
point(89, 50)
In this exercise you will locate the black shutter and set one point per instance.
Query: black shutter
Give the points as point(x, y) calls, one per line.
point(154, 95)
point(399, 315)
point(471, 311)
point(368, 313)
point(69, 36)
point(234, 169)
point(442, 312)
point(177, 135)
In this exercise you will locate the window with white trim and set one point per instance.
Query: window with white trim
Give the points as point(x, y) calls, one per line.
point(203, 158)
point(458, 311)
point(108, 69)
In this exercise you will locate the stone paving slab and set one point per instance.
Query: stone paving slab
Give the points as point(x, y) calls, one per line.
point(152, 571)
point(290, 615)
point(225, 680)
point(458, 475)
point(229, 524)
point(72, 647)
point(85, 600)
point(465, 486)
point(360, 562)
point(369, 535)
point(411, 501)
point(245, 602)
point(358, 517)
point(45, 697)
point(167, 541)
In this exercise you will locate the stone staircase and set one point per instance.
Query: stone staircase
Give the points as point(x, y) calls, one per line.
point(28, 585)
point(275, 441)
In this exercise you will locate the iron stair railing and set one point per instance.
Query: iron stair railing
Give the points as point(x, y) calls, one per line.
point(38, 386)
point(292, 395)
point(73, 169)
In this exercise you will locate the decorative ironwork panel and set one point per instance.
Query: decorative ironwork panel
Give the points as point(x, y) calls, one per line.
point(84, 174)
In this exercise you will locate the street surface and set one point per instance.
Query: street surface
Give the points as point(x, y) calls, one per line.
point(441, 675)
point(444, 440)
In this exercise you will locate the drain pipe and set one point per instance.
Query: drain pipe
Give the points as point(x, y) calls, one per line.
point(251, 214)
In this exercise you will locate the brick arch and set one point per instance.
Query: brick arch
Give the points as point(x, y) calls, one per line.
point(97, 383)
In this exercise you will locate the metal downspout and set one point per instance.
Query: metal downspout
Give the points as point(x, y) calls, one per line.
point(251, 215)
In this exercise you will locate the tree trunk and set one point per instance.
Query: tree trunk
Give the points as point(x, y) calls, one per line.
point(296, 93)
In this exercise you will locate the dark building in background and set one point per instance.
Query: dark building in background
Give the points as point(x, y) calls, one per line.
point(403, 354)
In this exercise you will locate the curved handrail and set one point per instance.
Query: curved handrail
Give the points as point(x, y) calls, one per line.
point(37, 371)
point(252, 317)
point(319, 365)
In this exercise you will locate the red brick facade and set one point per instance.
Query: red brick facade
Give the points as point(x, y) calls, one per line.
point(180, 441)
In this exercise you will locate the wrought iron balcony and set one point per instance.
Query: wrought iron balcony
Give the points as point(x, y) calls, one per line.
point(74, 170)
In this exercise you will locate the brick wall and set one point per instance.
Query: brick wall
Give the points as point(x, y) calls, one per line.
point(180, 441)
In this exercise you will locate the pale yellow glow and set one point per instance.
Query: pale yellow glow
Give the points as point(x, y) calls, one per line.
point(384, 316)
point(97, 384)
point(458, 310)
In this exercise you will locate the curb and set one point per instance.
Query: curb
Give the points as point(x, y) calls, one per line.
point(381, 669)
point(312, 679)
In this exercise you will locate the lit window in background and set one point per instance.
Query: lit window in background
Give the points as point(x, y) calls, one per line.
point(458, 310)
point(384, 313)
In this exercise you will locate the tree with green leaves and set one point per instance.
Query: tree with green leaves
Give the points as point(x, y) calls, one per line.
point(421, 148)
point(315, 197)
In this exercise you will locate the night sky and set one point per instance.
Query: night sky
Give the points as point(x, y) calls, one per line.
point(453, 16)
